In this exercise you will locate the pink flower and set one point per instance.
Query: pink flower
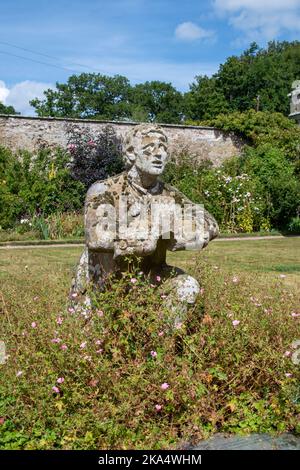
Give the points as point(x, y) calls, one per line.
point(161, 333)
point(287, 353)
point(60, 380)
point(91, 142)
point(236, 322)
point(133, 280)
point(35, 298)
point(202, 291)
point(100, 313)
point(288, 374)
point(71, 310)
point(153, 353)
point(295, 315)
point(282, 276)
point(74, 295)
point(99, 351)
point(55, 389)
point(33, 324)
point(55, 340)
point(87, 358)
point(164, 386)
point(235, 280)
point(158, 407)
point(59, 320)
point(64, 347)
point(72, 147)
point(19, 373)
point(152, 285)
point(163, 296)
point(178, 326)
point(158, 278)
point(268, 310)
point(83, 345)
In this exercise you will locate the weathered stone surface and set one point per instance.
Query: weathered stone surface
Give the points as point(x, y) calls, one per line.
point(134, 214)
point(286, 441)
point(295, 101)
point(198, 142)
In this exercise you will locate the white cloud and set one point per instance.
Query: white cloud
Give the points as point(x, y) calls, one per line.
point(260, 20)
point(4, 92)
point(256, 5)
point(21, 93)
point(189, 31)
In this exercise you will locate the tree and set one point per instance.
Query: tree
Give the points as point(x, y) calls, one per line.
point(204, 99)
point(258, 79)
point(157, 102)
point(87, 95)
point(7, 109)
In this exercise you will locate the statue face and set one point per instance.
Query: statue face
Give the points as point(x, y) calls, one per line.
point(151, 153)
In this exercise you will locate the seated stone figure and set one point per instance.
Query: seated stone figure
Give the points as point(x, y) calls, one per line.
point(135, 214)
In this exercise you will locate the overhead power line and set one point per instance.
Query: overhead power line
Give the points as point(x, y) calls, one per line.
point(40, 62)
point(49, 56)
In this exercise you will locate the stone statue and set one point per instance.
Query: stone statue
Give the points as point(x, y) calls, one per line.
point(295, 101)
point(135, 214)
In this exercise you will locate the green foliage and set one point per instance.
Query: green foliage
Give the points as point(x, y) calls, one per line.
point(94, 155)
point(88, 95)
point(7, 109)
point(222, 378)
point(258, 79)
point(34, 185)
point(98, 96)
point(275, 180)
point(260, 128)
point(294, 225)
point(59, 225)
point(156, 102)
point(272, 163)
point(227, 193)
point(207, 104)
point(255, 192)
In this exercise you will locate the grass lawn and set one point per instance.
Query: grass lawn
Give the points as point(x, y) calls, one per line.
point(220, 377)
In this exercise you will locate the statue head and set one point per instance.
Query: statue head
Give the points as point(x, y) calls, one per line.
point(146, 149)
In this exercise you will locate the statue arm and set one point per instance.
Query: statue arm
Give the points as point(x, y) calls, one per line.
point(206, 226)
point(99, 218)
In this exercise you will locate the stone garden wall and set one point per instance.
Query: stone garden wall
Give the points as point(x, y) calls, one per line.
point(19, 132)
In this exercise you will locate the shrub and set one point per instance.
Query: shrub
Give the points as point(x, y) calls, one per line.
point(260, 128)
point(39, 184)
point(226, 193)
point(94, 156)
point(259, 190)
point(294, 225)
point(275, 181)
point(65, 225)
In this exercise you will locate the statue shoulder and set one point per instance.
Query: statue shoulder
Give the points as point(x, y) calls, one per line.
point(107, 187)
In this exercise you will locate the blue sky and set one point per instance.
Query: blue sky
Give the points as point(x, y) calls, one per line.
point(169, 40)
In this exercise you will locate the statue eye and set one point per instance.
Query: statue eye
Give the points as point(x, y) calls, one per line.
point(148, 146)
